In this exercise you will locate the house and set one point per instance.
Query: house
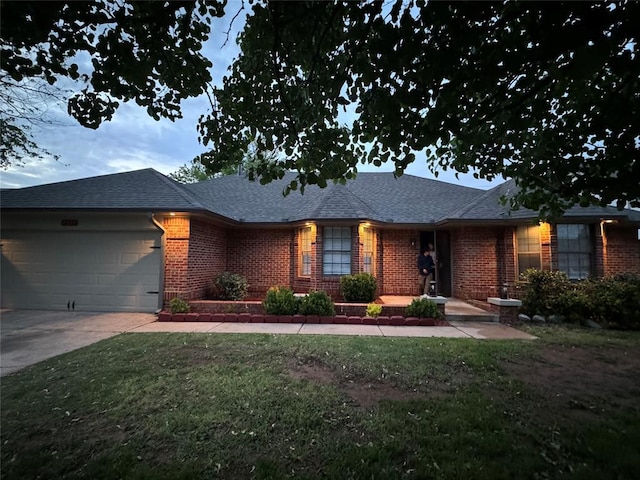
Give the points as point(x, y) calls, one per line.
point(132, 241)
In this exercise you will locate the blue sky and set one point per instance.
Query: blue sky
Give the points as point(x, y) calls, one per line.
point(133, 140)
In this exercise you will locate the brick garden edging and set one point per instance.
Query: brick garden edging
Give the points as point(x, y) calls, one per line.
point(396, 320)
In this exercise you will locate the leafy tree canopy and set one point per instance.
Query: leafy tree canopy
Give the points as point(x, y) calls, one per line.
point(116, 51)
point(547, 94)
point(195, 171)
point(192, 172)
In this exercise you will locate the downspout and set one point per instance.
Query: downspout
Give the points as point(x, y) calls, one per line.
point(159, 226)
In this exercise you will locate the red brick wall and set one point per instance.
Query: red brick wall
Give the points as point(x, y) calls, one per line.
point(398, 262)
point(475, 266)
point(207, 257)
point(195, 252)
point(507, 268)
point(621, 250)
point(545, 246)
point(263, 256)
point(176, 252)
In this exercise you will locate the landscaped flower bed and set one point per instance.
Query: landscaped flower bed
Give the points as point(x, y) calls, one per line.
point(397, 320)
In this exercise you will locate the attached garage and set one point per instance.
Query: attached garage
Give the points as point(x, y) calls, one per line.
point(88, 262)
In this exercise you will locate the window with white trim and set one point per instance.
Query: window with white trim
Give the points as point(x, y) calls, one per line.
point(528, 247)
point(304, 252)
point(575, 250)
point(336, 251)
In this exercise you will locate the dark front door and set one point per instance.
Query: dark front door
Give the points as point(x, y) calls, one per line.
point(440, 239)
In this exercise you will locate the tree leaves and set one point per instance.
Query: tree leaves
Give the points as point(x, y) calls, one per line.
point(509, 89)
point(148, 52)
point(545, 94)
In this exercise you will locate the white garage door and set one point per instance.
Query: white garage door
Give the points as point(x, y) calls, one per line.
point(91, 271)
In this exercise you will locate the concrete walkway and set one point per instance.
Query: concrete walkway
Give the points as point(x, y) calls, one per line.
point(30, 336)
point(477, 330)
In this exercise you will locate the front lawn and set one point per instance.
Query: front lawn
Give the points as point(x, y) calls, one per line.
point(167, 406)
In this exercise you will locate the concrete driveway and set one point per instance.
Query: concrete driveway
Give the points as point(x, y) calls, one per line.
point(30, 336)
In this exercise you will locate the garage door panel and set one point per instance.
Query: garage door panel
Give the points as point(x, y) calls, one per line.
point(105, 271)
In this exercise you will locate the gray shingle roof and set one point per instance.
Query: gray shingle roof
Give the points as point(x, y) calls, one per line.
point(379, 197)
point(371, 196)
point(488, 207)
point(138, 190)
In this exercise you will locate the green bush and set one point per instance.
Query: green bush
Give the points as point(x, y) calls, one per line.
point(317, 303)
point(616, 302)
point(280, 301)
point(610, 301)
point(423, 308)
point(230, 286)
point(373, 310)
point(177, 305)
point(541, 291)
point(573, 303)
point(358, 288)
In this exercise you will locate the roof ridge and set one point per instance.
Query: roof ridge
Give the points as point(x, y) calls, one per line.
point(474, 203)
point(346, 193)
point(364, 202)
point(180, 188)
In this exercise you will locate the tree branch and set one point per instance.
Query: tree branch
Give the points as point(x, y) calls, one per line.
point(231, 24)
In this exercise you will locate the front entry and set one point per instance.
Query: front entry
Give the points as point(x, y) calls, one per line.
point(440, 240)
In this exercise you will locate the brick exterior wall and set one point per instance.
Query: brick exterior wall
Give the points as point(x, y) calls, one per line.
point(207, 257)
point(474, 250)
point(176, 256)
point(195, 252)
point(545, 247)
point(263, 256)
point(482, 258)
point(398, 262)
point(621, 250)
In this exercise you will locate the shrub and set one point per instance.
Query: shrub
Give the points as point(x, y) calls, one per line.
point(317, 303)
point(358, 288)
point(373, 310)
point(610, 301)
point(616, 301)
point(541, 291)
point(231, 286)
point(280, 301)
point(177, 305)
point(573, 303)
point(423, 308)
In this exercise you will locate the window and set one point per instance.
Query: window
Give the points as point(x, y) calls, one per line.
point(528, 247)
point(336, 251)
point(304, 252)
point(575, 249)
point(367, 239)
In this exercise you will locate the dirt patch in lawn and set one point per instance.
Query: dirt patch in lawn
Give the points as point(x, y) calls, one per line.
point(364, 394)
point(579, 382)
point(563, 383)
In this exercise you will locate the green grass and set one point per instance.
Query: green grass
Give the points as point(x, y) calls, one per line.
point(166, 406)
